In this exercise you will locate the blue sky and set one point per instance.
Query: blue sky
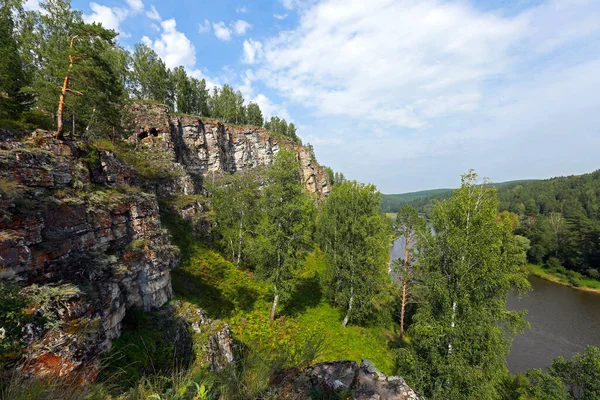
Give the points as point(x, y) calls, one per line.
point(405, 94)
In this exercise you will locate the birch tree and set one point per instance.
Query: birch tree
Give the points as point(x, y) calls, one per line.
point(355, 239)
point(286, 226)
point(236, 205)
point(462, 331)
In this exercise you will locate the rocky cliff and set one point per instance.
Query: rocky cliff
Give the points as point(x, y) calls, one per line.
point(76, 229)
point(198, 148)
point(81, 236)
point(80, 229)
point(343, 379)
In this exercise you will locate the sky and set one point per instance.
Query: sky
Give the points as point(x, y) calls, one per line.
point(405, 94)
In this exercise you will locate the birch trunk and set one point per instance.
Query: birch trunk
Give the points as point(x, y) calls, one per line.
point(274, 308)
point(347, 317)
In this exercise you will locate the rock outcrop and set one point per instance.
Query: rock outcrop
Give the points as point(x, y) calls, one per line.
point(200, 147)
point(75, 227)
point(344, 379)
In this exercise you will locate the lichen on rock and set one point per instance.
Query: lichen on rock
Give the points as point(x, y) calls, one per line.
point(70, 221)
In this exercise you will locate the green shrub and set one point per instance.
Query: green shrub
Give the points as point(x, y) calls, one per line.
point(554, 263)
point(12, 318)
point(37, 119)
point(593, 273)
point(574, 278)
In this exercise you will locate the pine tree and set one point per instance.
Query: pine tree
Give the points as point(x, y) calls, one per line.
point(255, 117)
point(12, 76)
point(409, 226)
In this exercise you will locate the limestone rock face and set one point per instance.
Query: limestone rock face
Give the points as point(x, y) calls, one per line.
point(218, 349)
point(201, 147)
point(345, 379)
point(58, 231)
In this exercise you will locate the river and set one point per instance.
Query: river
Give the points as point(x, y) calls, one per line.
point(563, 321)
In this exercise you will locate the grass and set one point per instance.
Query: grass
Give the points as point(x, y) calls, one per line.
point(570, 278)
point(214, 284)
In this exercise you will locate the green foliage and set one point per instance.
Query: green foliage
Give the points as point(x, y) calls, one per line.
point(145, 348)
point(12, 319)
point(281, 127)
point(534, 384)
point(150, 78)
point(559, 216)
point(255, 116)
point(286, 226)
point(561, 275)
point(93, 64)
point(392, 202)
point(353, 234)
point(578, 379)
point(580, 375)
point(424, 199)
point(462, 330)
point(45, 298)
point(13, 101)
point(179, 385)
point(152, 167)
point(237, 213)
point(237, 297)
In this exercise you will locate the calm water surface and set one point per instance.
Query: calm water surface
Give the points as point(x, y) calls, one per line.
point(563, 321)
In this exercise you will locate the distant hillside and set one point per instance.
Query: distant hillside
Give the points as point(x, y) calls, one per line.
point(420, 199)
point(391, 202)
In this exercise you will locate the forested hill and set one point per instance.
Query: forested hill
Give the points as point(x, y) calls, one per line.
point(422, 198)
point(559, 216)
point(391, 202)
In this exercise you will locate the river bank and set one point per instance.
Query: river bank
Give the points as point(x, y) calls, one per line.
point(576, 282)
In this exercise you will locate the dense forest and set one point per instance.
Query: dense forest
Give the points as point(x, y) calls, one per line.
point(420, 200)
point(297, 280)
point(559, 216)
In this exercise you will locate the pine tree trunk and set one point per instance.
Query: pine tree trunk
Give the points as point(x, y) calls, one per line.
point(404, 280)
point(60, 129)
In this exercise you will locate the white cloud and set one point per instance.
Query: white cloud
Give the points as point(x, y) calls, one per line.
point(136, 5)
point(289, 4)
point(240, 27)
point(204, 27)
point(30, 5)
point(241, 10)
point(153, 14)
point(442, 83)
point(280, 16)
point(110, 18)
point(221, 31)
point(269, 108)
point(173, 46)
point(401, 62)
point(252, 51)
